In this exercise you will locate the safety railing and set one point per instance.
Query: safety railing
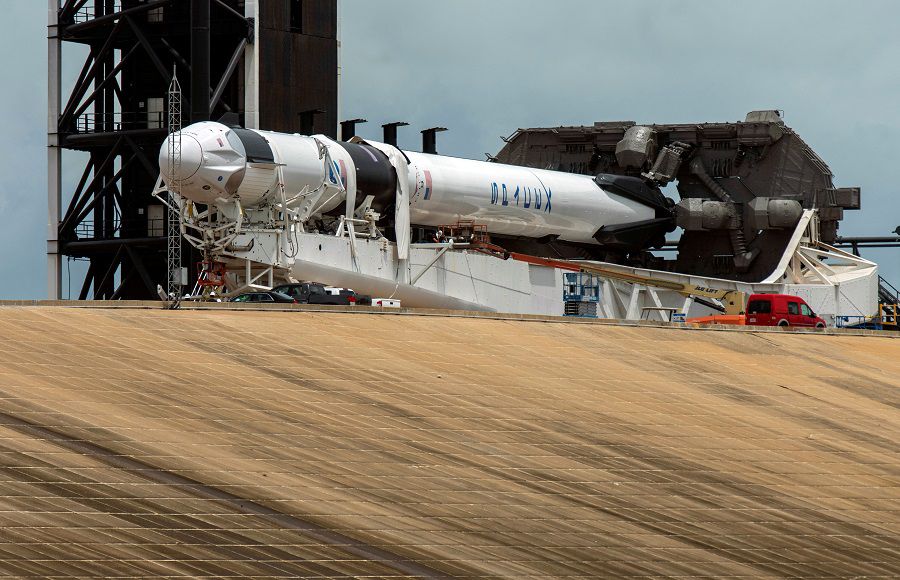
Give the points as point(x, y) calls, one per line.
point(887, 292)
point(115, 122)
point(859, 322)
point(581, 287)
point(88, 12)
point(153, 227)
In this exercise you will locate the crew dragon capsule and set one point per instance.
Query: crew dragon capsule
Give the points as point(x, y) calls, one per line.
point(220, 164)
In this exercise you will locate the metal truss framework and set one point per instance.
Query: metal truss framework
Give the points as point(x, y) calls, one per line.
point(807, 264)
point(173, 255)
point(133, 47)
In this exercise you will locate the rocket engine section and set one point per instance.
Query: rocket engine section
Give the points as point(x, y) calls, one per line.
point(766, 213)
point(762, 213)
point(276, 176)
point(695, 214)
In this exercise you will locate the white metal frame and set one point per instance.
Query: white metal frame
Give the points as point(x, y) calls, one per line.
point(248, 277)
point(54, 152)
point(807, 265)
point(804, 260)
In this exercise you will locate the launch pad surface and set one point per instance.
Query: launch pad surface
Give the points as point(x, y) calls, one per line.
point(268, 444)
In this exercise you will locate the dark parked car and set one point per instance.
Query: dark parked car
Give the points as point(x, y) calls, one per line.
point(315, 293)
point(305, 292)
point(264, 297)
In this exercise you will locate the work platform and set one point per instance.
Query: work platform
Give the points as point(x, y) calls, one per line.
point(137, 441)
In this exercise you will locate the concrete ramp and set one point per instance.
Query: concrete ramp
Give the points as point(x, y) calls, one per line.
point(216, 443)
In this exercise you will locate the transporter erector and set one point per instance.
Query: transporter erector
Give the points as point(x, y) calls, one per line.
point(275, 207)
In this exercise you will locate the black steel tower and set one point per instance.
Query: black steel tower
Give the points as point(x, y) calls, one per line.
point(264, 60)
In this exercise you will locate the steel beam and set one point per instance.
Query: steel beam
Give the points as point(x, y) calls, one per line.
point(231, 10)
point(229, 72)
point(111, 77)
point(86, 285)
point(114, 244)
point(76, 96)
point(54, 154)
point(138, 264)
point(142, 38)
point(251, 68)
point(77, 204)
point(107, 193)
point(112, 184)
point(200, 65)
point(87, 141)
point(75, 29)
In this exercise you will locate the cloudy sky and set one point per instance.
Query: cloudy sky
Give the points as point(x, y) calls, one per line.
point(482, 69)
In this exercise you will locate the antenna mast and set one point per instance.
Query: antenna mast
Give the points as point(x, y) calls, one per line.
point(174, 214)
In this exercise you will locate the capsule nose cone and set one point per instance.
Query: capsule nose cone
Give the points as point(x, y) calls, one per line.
point(180, 157)
point(202, 163)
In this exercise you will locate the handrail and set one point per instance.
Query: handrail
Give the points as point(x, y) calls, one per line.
point(86, 12)
point(85, 230)
point(888, 288)
point(118, 121)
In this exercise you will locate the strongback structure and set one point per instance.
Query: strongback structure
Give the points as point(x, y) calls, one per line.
point(755, 166)
point(271, 62)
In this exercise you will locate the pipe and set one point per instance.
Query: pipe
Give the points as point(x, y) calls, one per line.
point(867, 239)
point(437, 257)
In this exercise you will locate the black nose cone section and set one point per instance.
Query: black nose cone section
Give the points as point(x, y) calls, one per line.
point(374, 175)
point(637, 235)
point(635, 189)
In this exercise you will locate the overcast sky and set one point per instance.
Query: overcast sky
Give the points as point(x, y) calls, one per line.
point(483, 69)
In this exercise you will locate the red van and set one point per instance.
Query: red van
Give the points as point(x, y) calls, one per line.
point(781, 310)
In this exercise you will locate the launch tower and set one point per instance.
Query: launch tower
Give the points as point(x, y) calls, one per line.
point(273, 63)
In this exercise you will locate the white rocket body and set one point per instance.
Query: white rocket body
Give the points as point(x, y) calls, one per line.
point(219, 164)
point(513, 200)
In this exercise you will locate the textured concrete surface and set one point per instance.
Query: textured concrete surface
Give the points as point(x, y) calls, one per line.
point(151, 443)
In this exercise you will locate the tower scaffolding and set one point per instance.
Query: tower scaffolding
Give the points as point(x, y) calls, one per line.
point(175, 280)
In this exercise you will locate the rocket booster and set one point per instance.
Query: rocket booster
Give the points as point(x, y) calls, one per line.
point(219, 164)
